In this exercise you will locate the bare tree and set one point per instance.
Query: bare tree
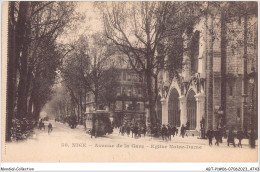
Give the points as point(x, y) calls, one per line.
point(90, 67)
point(145, 32)
point(138, 30)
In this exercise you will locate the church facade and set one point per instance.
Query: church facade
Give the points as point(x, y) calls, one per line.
point(214, 81)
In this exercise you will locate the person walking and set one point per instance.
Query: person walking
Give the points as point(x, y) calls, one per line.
point(49, 128)
point(136, 130)
point(128, 129)
point(231, 138)
point(139, 131)
point(144, 130)
point(93, 132)
point(210, 136)
point(176, 131)
point(173, 131)
point(164, 132)
point(240, 136)
point(169, 133)
point(188, 125)
point(246, 135)
point(120, 130)
point(132, 130)
point(183, 131)
point(217, 136)
point(252, 138)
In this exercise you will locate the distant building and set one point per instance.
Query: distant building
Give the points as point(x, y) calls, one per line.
point(130, 102)
point(129, 107)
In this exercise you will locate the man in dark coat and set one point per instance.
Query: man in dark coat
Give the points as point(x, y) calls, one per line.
point(246, 135)
point(210, 136)
point(183, 131)
point(173, 131)
point(217, 136)
point(231, 138)
point(136, 131)
point(132, 130)
point(169, 133)
point(144, 130)
point(128, 129)
point(49, 128)
point(188, 125)
point(93, 132)
point(252, 138)
point(240, 136)
point(164, 132)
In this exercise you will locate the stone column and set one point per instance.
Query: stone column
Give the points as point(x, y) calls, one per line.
point(183, 107)
point(147, 117)
point(200, 98)
point(164, 111)
point(186, 62)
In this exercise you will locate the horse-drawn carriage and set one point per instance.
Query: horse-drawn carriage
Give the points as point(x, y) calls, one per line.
point(98, 123)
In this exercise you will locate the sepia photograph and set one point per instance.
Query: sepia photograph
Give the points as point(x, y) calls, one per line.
point(140, 81)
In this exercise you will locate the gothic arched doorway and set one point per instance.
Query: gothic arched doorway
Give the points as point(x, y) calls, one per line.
point(174, 108)
point(191, 109)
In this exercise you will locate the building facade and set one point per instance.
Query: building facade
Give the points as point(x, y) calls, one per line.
point(214, 81)
point(129, 105)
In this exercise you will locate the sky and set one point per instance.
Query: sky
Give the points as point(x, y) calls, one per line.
point(87, 24)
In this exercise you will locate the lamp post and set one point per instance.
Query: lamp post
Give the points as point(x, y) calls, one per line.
point(252, 80)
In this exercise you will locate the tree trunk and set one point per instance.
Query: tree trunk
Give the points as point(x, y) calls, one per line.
point(209, 81)
point(223, 63)
point(244, 84)
point(150, 98)
point(28, 86)
point(11, 72)
point(23, 32)
point(96, 100)
point(79, 105)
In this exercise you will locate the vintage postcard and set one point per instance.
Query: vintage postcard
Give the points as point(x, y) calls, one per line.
point(129, 81)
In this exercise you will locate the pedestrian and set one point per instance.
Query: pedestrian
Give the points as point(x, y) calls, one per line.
point(49, 128)
point(136, 130)
point(120, 130)
point(93, 132)
point(246, 135)
point(176, 131)
point(252, 138)
point(210, 136)
point(217, 137)
point(188, 125)
point(169, 131)
point(240, 136)
point(132, 130)
point(128, 130)
point(182, 131)
point(173, 131)
point(231, 138)
point(144, 130)
point(220, 134)
point(139, 131)
point(164, 132)
point(123, 130)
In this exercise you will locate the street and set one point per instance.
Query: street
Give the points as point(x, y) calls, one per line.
point(76, 145)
